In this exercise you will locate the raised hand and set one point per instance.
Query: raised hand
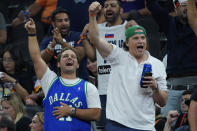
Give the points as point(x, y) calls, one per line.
point(30, 26)
point(94, 8)
point(57, 36)
point(172, 116)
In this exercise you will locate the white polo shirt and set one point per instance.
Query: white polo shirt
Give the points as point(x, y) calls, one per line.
point(127, 102)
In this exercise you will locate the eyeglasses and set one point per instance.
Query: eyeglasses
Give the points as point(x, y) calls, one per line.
point(9, 60)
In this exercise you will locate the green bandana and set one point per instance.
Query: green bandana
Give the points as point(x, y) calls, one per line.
point(132, 31)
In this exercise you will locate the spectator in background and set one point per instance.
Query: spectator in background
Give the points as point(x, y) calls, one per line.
point(192, 15)
point(13, 105)
point(78, 10)
point(37, 122)
point(193, 112)
point(181, 51)
point(124, 90)
point(17, 74)
point(70, 101)
point(181, 118)
point(3, 30)
point(46, 6)
point(6, 122)
point(63, 37)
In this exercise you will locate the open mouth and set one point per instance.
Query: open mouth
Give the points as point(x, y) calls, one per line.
point(109, 14)
point(140, 47)
point(69, 63)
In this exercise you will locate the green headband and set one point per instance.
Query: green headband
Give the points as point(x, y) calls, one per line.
point(132, 31)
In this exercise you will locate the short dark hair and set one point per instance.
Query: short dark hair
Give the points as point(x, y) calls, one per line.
point(119, 2)
point(57, 11)
point(6, 122)
point(186, 92)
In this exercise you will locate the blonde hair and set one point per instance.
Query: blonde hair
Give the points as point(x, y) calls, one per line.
point(41, 116)
point(14, 100)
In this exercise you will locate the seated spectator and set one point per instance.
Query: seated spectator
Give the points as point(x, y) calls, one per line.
point(37, 122)
point(6, 122)
point(16, 75)
point(180, 118)
point(13, 105)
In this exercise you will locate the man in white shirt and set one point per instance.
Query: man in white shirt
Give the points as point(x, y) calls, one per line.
point(129, 107)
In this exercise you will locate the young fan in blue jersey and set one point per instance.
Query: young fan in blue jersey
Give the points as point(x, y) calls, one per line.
point(70, 103)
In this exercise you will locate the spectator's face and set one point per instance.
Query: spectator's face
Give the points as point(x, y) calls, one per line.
point(36, 124)
point(9, 109)
point(68, 62)
point(8, 62)
point(182, 10)
point(112, 11)
point(137, 44)
point(62, 22)
point(183, 105)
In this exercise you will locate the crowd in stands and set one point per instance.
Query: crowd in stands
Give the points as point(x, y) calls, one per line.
point(81, 62)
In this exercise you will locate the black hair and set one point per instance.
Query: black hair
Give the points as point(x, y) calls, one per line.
point(57, 11)
point(5, 122)
point(17, 56)
point(119, 2)
point(186, 92)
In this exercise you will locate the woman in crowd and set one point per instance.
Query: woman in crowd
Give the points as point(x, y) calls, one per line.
point(37, 122)
point(16, 75)
point(13, 105)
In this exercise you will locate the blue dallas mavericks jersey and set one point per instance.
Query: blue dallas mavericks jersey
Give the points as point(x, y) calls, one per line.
point(73, 95)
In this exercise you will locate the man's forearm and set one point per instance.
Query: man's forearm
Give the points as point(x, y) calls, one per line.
point(160, 97)
point(193, 116)
point(34, 49)
point(192, 15)
point(167, 126)
point(160, 15)
point(3, 36)
point(91, 114)
point(89, 50)
point(34, 9)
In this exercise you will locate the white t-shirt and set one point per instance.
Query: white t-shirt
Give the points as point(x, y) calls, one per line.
point(116, 36)
point(92, 96)
point(127, 102)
